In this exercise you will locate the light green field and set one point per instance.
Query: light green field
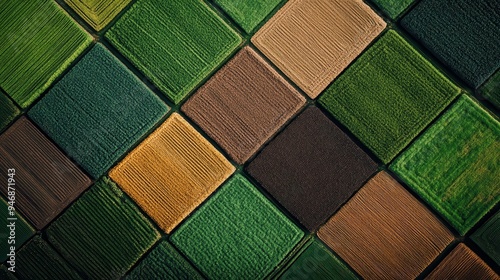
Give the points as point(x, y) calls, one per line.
point(454, 165)
point(38, 42)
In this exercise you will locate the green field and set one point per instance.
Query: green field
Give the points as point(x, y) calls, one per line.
point(176, 44)
point(98, 111)
point(37, 258)
point(388, 96)
point(38, 42)
point(238, 233)
point(103, 233)
point(97, 14)
point(248, 13)
point(491, 90)
point(462, 34)
point(23, 230)
point(488, 237)
point(393, 7)
point(454, 165)
point(8, 110)
point(317, 262)
point(164, 262)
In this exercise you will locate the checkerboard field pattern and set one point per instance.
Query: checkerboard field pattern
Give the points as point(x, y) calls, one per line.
point(250, 139)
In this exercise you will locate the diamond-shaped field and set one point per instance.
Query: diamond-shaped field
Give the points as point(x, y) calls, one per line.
point(383, 232)
point(46, 181)
point(248, 13)
point(389, 95)
point(311, 168)
point(176, 44)
point(103, 233)
point(454, 165)
point(462, 263)
point(488, 239)
point(97, 14)
point(237, 234)
point(98, 111)
point(310, 47)
point(39, 41)
point(171, 172)
point(243, 104)
point(463, 34)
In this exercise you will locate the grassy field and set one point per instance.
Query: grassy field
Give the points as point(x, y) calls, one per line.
point(96, 13)
point(176, 61)
point(388, 96)
point(393, 7)
point(248, 14)
point(98, 111)
point(238, 233)
point(164, 262)
point(8, 110)
point(102, 234)
point(39, 41)
point(454, 166)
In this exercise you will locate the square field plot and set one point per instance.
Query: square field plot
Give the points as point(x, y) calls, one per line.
point(383, 232)
point(311, 168)
point(454, 165)
point(98, 111)
point(312, 41)
point(39, 41)
point(463, 34)
point(46, 180)
point(171, 172)
point(176, 44)
point(388, 96)
point(237, 234)
point(103, 233)
point(243, 104)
